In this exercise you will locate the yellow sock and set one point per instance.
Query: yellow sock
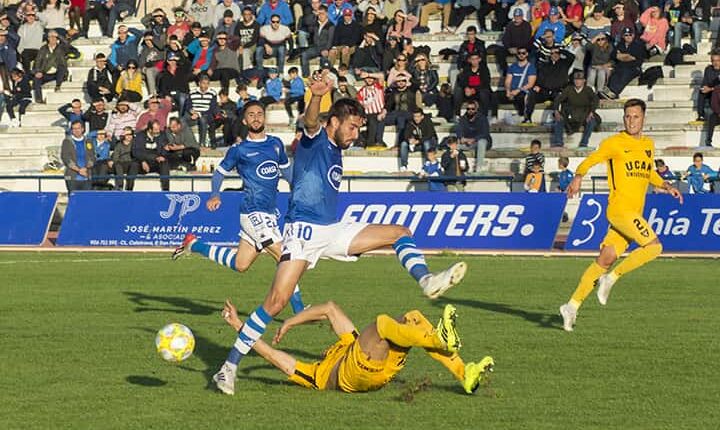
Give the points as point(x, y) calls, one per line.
point(407, 335)
point(586, 284)
point(638, 258)
point(452, 362)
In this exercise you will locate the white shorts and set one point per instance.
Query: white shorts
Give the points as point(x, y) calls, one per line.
point(260, 229)
point(311, 242)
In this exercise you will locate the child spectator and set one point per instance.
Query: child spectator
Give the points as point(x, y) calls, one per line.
point(454, 163)
point(535, 156)
point(295, 94)
point(534, 179)
point(565, 175)
point(273, 88)
point(697, 175)
point(665, 173)
point(103, 163)
point(432, 168)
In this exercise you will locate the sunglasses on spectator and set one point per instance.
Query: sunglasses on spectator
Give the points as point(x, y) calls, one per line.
point(275, 22)
point(402, 59)
point(222, 38)
point(522, 52)
point(131, 67)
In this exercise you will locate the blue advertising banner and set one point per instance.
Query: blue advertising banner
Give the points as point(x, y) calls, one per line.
point(691, 227)
point(438, 220)
point(25, 217)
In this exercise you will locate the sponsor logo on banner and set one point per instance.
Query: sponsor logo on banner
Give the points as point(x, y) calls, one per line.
point(188, 203)
point(691, 227)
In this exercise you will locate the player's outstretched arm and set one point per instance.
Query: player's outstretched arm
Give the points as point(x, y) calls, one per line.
point(318, 89)
point(657, 181)
point(604, 152)
point(340, 322)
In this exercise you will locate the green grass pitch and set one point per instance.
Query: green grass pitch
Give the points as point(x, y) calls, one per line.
point(77, 350)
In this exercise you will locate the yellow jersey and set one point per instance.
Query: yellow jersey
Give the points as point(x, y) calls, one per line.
point(631, 167)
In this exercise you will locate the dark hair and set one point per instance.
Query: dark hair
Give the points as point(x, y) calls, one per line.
point(342, 79)
point(536, 142)
point(221, 32)
point(75, 100)
point(223, 92)
point(698, 154)
point(252, 103)
point(82, 124)
point(471, 28)
point(344, 108)
point(564, 161)
point(131, 130)
point(241, 87)
point(714, 52)
point(451, 140)
point(323, 7)
point(249, 8)
point(176, 119)
point(418, 110)
point(659, 162)
point(151, 123)
point(131, 62)
point(274, 16)
point(293, 69)
point(635, 102)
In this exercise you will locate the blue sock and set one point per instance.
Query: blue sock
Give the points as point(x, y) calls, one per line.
point(411, 257)
point(249, 334)
point(296, 301)
point(222, 255)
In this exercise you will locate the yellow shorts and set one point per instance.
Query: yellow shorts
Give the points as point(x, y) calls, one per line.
point(357, 373)
point(315, 375)
point(625, 228)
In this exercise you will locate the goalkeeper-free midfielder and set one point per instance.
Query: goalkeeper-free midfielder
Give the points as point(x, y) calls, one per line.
point(630, 168)
point(369, 360)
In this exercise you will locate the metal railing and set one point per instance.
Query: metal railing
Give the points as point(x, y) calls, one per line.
point(207, 177)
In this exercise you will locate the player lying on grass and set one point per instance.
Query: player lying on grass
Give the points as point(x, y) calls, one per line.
point(312, 230)
point(259, 160)
point(369, 360)
point(630, 159)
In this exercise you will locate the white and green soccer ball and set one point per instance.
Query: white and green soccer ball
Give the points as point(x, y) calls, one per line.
point(175, 342)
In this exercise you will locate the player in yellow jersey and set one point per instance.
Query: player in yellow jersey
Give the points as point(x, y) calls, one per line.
point(630, 164)
point(369, 360)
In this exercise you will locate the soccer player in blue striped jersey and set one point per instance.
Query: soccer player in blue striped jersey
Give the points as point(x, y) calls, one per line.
point(259, 160)
point(313, 232)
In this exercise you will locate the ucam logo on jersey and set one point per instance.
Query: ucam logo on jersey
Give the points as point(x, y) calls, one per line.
point(267, 170)
point(691, 227)
point(463, 220)
point(147, 219)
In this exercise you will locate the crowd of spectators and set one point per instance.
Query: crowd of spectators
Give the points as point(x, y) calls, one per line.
point(570, 54)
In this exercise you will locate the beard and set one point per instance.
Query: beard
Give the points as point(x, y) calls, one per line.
point(339, 139)
point(256, 130)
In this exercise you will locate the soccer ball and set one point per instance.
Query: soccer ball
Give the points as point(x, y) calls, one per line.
point(175, 342)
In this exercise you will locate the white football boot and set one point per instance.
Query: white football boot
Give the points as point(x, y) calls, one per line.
point(569, 315)
point(605, 284)
point(435, 284)
point(225, 380)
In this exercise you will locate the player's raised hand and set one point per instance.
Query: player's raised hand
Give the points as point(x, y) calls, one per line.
point(574, 186)
point(321, 86)
point(213, 203)
point(280, 333)
point(229, 314)
point(675, 193)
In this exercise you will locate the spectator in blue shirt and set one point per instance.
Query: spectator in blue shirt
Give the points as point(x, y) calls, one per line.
point(243, 97)
point(335, 10)
point(72, 112)
point(664, 171)
point(432, 168)
point(125, 47)
point(273, 88)
point(552, 23)
point(565, 175)
point(697, 175)
point(295, 94)
point(520, 79)
point(275, 7)
point(103, 163)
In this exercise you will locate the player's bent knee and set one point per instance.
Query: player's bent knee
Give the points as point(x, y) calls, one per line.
point(241, 266)
point(655, 248)
point(402, 231)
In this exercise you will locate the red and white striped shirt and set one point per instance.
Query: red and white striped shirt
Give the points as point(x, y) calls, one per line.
point(372, 98)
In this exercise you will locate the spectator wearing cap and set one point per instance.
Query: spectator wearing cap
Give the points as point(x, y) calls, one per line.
point(78, 155)
point(596, 24)
point(473, 131)
point(275, 7)
point(346, 37)
point(247, 31)
point(273, 88)
point(96, 116)
point(157, 24)
point(620, 22)
point(224, 6)
point(600, 51)
point(372, 97)
point(124, 115)
point(655, 29)
point(470, 45)
point(124, 48)
point(572, 17)
point(435, 7)
point(425, 80)
point(473, 83)
point(227, 24)
point(522, 5)
point(123, 162)
point(50, 65)
point(20, 95)
point(129, 83)
point(224, 65)
point(419, 135)
point(174, 82)
point(200, 109)
point(100, 81)
point(400, 102)
point(31, 39)
point(519, 81)
point(202, 52)
point(8, 58)
point(369, 56)
point(181, 26)
point(462, 9)
point(273, 38)
point(553, 23)
point(575, 108)
point(336, 10)
point(552, 78)
point(628, 57)
point(182, 149)
point(97, 10)
point(158, 108)
point(120, 9)
point(454, 163)
point(149, 154)
point(150, 61)
point(697, 21)
point(203, 12)
point(401, 25)
point(103, 162)
point(517, 34)
point(322, 38)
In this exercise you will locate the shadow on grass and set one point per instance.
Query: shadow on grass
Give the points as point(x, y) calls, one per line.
point(145, 381)
point(180, 305)
point(553, 321)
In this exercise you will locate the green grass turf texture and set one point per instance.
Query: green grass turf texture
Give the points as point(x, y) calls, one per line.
point(77, 350)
